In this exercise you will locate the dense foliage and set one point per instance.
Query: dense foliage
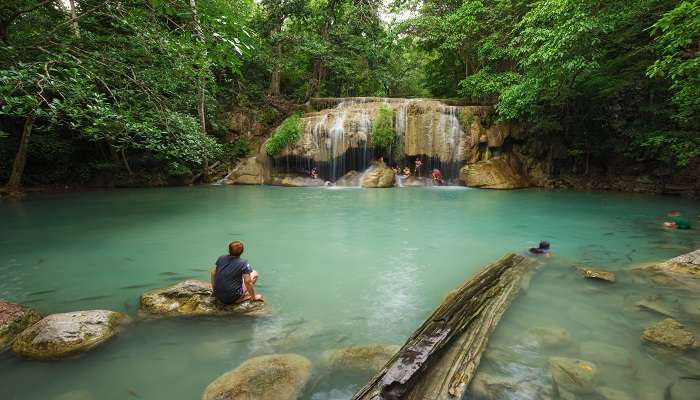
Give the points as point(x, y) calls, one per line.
point(288, 132)
point(383, 134)
point(131, 90)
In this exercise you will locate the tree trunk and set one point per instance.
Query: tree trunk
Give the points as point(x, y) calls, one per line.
point(21, 158)
point(315, 82)
point(276, 75)
point(74, 18)
point(200, 82)
point(441, 357)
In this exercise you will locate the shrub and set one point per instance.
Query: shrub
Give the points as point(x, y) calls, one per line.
point(383, 134)
point(288, 132)
point(466, 118)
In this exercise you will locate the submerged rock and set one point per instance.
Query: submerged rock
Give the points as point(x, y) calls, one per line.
point(671, 334)
point(496, 173)
point(550, 336)
point(61, 335)
point(692, 308)
point(379, 176)
point(606, 354)
point(612, 394)
point(659, 305)
point(369, 358)
point(14, 318)
point(680, 271)
point(193, 297)
point(491, 387)
point(274, 377)
point(576, 376)
point(596, 274)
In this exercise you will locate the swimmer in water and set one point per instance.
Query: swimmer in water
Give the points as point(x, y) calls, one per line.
point(541, 250)
point(674, 220)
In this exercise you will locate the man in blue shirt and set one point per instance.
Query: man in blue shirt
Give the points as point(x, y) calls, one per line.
point(232, 278)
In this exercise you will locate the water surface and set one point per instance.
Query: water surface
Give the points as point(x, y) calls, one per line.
point(340, 267)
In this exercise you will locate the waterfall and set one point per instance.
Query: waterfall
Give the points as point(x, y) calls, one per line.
point(337, 140)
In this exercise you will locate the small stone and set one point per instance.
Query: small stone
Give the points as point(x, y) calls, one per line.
point(193, 297)
point(62, 335)
point(576, 376)
point(597, 274)
point(14, 318)
point(670, 333)
point(273, 377)
point(369, 358)
point(612, 394)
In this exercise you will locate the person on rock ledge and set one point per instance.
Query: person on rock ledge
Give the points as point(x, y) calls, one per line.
point(232, 278)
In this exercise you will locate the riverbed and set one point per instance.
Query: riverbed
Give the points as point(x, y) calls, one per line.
point(339, 267)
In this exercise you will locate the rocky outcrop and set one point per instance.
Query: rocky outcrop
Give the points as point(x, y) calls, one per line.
point(575, 376)
point(14, 318)
point(193, 298)
point(596, 274)
point(290, 180)
point(351, 179)
point(501, 172)
point(670, 334)
point(248, 171)
point(681, 271)
point(370, 358)
point(62, 335)
point(274, 377)
point(379, 176)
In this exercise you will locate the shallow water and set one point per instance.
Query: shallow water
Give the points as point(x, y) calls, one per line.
point(340, 268)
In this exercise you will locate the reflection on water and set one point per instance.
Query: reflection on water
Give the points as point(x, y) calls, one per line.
point(339, 268)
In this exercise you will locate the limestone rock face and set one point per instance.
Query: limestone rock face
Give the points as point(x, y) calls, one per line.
point(370, 358)
point(193, 297)
point(61, 335)
point(576, 376)
point(379, 176)
point(14, 318)
point(596, 274)
point(274, 377)
point(671, 334)
point(497, 173)
point(248, 172)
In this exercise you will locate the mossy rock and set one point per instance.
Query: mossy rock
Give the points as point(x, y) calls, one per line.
point(61, 335)
point(576, 376)
point(14, 318)
point(273, 377)
point(194, 298)
point(670, 334)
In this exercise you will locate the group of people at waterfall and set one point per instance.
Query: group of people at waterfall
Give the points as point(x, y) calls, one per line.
point(406, 172)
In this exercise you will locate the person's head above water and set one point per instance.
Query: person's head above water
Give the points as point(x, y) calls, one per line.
point(235, 249)
point(543, 248)
point(673, 213)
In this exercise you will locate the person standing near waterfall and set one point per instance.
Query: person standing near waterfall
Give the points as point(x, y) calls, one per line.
point(233, 279)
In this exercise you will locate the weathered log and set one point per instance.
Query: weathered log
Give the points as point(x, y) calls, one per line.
point(439, 360)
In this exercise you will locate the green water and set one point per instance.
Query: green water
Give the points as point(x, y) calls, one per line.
point(340, 267)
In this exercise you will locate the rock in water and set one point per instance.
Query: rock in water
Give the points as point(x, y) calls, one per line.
point(671, 334)
point(597, 274)
point(492, 387)
point(680, 271)
point(496, 173)
point(370, 358)
point(61, 335)
point(576, 376)
point(274, 377)
point(659, 305)
point(248, 172)
point(692, 308)
point(379, 176)
point(14, 318)
point(606, 354)
point(193, 297)
point(550, 336)
point(351, 179)
point(290, 180)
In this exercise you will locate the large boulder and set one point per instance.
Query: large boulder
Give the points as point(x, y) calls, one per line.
point(193, 297)
point(670, 334)
point(14, 318)
point(249, 171)
point(576, 376)
point(351, 179)
point(62, 335)
point(379, 176)
point(370, 358)
point(497, 173)
point(273, 377)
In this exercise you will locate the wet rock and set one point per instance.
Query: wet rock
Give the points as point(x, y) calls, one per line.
point(61, 335)
point(14, 318)
point(291, 335)
point(248, 171)
point(680, 271)
point(193, 297)
point(496, 173)
point(692, 308)
point(612, 394)
point(596, 274)
point(370, 358)
point(274, 377)
point(296, 181)
point(415, 181)
point(379, 176)
point(491, 387)
point(351, 179)
point(576, 376)
point(671, 334)
point(606, 354)
point(550, 336)
point(685, 388)
point(658, 305)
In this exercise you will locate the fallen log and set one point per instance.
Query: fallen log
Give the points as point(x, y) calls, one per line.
point(439, 360)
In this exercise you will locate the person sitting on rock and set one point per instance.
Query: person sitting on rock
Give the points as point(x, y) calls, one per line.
point(437, 177)
point(232, 278)
point(314, 173)
point(406, 172)
point(396, 169)
point(674, 220)
point(541, 250)
point(418, 164)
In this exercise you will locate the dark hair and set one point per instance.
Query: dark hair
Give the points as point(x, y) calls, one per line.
point(544, 245)
point(235, 248)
